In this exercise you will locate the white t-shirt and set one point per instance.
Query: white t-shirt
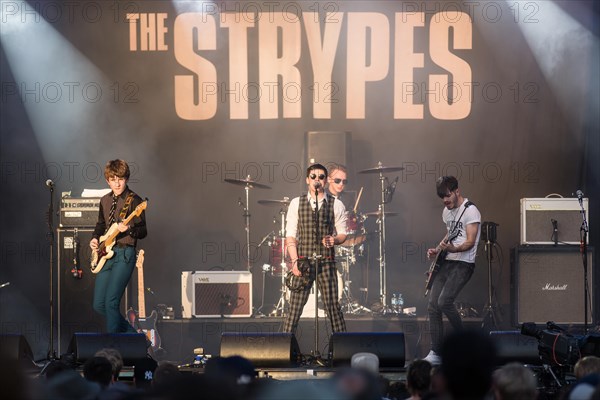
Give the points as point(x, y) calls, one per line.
point(471, 216)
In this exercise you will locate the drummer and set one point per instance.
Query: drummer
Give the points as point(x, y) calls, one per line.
point(337, 181)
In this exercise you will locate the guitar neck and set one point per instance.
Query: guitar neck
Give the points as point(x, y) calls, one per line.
point(141, 294)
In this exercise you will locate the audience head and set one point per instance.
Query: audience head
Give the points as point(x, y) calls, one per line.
point(514, 381)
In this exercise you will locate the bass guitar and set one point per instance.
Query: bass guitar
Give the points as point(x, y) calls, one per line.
point(434, 268)
point(107, 241)
point(139, 321)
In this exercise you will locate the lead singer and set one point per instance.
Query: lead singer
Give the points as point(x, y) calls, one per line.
point(301, 245)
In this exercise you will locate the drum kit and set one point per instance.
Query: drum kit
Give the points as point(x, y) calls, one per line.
point(347, 254)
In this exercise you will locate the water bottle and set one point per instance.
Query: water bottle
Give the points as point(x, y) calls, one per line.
point(399, 303)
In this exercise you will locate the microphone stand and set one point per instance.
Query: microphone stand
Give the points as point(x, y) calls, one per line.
point(316, 261)
point(584, 256)
point(50, 235)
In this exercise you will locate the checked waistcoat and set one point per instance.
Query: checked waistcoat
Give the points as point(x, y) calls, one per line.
point(307, 231)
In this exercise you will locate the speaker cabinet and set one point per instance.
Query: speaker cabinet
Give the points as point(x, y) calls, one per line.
point(388, 346)
point(511, 346)
point(328, 148)
point(263, 349)
point(547, 284)
point(74, 311)
point(132, 346)
point(15, 347)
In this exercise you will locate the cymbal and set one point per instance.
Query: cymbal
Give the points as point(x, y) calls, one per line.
point(270, 202)
point(378, 214)
point(380, 168)
point(247, 182)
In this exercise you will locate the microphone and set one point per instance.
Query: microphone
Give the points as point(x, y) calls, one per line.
point(579, 194)
point(50, 183)
point(265, 238)
point(317, 185)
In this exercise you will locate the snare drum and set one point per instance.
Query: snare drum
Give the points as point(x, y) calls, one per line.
point(355, 230)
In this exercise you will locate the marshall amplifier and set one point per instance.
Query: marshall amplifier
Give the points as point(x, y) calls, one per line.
point(79, 212)
point(547, 284)
point(210, 294)
point(541, 216)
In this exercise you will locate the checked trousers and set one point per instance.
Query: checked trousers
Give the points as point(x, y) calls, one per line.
point(327, 281)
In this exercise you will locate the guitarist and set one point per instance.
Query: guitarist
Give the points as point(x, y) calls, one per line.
point(112, 280)
point(462, 219)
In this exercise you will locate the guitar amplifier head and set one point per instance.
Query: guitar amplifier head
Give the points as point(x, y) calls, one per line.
point(540, 215)
point(79, 212)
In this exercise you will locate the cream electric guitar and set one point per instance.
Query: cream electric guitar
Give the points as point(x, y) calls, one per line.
point(107, 241)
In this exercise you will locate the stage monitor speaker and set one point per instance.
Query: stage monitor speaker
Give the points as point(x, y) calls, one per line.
point(511, 346)
point(328, 148)
point(547, 284)
point(15, 347)
point(388, 346)
point(132, 346)
point(273, 350)
point(74, 298)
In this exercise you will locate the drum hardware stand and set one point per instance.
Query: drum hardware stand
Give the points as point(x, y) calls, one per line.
point(280, 307)
point(248, 184)
point(386, 197)
point(349, 304)
point(259, 312)
point(490, 312)
point(387, 192)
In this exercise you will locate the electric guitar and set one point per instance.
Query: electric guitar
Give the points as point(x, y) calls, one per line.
point(139, 321)
point(107, 241)
point(434, 268)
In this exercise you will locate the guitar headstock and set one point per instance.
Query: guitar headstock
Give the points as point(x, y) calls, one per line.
point(139, 263)
point(141, 207)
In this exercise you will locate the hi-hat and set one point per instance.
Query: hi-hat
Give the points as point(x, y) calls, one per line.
point(269, 202)
point(247, 182)
point(380, 168)
point(379, 213)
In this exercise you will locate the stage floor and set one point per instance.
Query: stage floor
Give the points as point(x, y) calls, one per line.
point(180, 337)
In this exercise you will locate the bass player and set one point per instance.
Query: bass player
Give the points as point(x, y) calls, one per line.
point(113, 278)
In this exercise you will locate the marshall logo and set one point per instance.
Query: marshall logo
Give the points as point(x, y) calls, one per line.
point(554, 287)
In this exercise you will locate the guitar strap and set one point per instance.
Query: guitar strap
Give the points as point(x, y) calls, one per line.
point(126, 206)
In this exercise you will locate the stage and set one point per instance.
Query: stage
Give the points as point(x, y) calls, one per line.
point(180, 337)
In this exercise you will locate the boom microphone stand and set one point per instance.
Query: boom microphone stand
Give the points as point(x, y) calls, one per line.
point(490, 312)
point(316, 260)
point(584, 256)
point(50, 235)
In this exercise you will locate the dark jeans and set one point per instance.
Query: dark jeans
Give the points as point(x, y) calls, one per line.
point(110, 285)
point(450, 280)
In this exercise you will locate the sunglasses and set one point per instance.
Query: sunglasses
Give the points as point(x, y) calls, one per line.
point(314, 176)
point(340, 180)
